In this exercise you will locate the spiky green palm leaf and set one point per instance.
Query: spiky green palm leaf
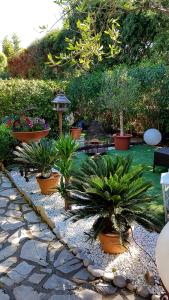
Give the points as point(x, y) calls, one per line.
point(41, 156)
point(112, 189)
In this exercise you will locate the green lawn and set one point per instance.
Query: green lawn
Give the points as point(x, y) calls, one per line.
point(143, 154)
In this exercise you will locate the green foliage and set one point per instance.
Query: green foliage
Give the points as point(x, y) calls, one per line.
point(41, 156)
point(7, 144)
point(66, 148)
point(3, 61)
point(87, 50)
point(17, 96)
point(120, 92)
point(114, 192)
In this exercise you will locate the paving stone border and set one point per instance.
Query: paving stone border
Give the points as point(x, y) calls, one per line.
point(103, 287)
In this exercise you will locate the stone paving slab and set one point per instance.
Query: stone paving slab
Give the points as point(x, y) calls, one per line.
point(34, 265)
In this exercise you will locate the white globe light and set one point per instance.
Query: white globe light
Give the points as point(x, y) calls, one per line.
point(162, 256)
point(152, 137)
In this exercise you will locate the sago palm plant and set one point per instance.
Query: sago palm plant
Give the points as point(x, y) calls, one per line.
point(114, 192)
point(66, 148)
point(41, 156)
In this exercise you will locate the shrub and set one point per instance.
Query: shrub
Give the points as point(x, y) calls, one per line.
point(7, 144)
point(18, 95)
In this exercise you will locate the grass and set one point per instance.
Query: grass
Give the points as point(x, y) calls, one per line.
point(143, 154)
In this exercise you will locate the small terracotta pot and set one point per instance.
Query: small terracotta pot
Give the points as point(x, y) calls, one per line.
point(48, 185)
point(110, 243)
point(75, 132)
point(122, 142)
point(29, 136)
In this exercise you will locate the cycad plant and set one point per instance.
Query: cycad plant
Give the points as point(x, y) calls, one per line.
point(66, 148)
point(40, 156)
point(112, 191)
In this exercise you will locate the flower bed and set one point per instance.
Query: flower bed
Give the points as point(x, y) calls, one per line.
point(132, 264)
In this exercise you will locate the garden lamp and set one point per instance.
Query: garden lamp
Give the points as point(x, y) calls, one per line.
point(60, 103)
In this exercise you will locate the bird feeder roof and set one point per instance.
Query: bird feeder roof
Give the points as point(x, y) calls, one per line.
point(60, 99)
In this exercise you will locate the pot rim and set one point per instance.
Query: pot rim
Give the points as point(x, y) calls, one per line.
point(122, 136)
point(31, 131)
point(53, 173)
point(76, 128)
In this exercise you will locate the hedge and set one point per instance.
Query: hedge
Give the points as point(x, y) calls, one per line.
point(18, 95)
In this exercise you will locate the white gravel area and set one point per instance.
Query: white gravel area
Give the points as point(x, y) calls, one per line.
point(132, 264)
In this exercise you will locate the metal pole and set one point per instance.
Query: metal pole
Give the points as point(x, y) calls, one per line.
point(60, 123)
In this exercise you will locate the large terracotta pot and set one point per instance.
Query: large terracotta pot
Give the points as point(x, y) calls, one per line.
point(110, 243)
point(76, 132)
point(29, 136)
point(122, 142)
point(48, 185)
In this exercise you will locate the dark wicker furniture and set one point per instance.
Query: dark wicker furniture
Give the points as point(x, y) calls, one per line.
point(161, 157)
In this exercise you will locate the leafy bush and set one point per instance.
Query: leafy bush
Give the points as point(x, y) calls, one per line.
point(17, 96)
point(7, 144)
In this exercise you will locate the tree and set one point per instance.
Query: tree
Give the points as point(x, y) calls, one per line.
point(3, 61)
point(16, 42)
point(11, 47)
point(120, 92)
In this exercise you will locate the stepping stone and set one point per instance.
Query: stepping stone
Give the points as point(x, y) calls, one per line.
point(36, 278)
point(63, 257)
point(3, 202)
point(57, 283)
point(7, 281)
point(7, 251)
point(26, 207)
point(2, 211)
point(4, 295)
point(20, 235)
point(41, 232)
point(46, 270)
point(14, 206)
point(64, 297)
point(35, 251)
point(53, 250)
point(70, 266)
point(82, 276)
point(24, 292)
point(13, 213)
point(20, 272)
point(31, 217)
point(10, 193)
point(9, 223)
point(3, 236)
point(5, 265)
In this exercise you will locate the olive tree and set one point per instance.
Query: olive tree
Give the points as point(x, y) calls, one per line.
point(120, 93)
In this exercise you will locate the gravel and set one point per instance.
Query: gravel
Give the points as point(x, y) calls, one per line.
point(132, 264)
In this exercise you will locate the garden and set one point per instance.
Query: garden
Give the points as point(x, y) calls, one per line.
point(84, 137)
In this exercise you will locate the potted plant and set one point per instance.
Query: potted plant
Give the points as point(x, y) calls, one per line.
point(120, 93)
point(114, 193)
point(41, 157)
point(66, 148)
point(27, 129)
point(75, 132)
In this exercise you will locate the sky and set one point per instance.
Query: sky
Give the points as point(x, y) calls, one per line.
point(24, 17)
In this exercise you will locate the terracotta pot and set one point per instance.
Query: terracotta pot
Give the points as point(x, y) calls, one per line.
point(48, 185)
point(110, 243)
point(29, 136)
point(122, 142)
point(75, 132)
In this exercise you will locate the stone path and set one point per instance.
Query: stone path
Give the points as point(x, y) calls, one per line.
point(33, 264)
